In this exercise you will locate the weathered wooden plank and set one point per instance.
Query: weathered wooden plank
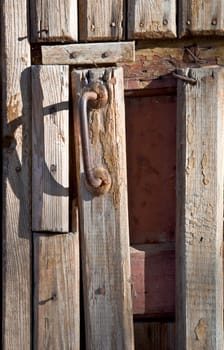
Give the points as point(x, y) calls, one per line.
point(153, 279)
point(198, 17)
point(50, 113)
point(101, 20)
point(151, 19)
point(54, 20)
point(56, 291)
point(154, 335)
point(199, 210)
point(104, 220)
point(16, 186)
point(80, 53)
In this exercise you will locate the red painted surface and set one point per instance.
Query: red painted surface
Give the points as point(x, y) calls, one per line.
point(151, 159)
point(153, 279)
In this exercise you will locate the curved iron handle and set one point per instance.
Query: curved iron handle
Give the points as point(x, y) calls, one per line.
point(98, 179)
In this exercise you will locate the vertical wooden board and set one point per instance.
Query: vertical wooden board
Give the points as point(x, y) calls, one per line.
point(16, 185)
point(101, 20)
point(199, 234)
point(50, 114)
point(199, 17)
point(154, 335)
point(104, 221)
point(56, 293)
point(151, 19)
point(54, 20)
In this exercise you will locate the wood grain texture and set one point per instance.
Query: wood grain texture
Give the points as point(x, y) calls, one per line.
point(80, 53)
point(199, 299)
point(104, 221)
point(101, 20)
point(50, 175)
point(199, 17)
point(54, 20)
point(153, 279)
point(56, 293)
point(16, 185)
point(154, 335)
point(151, 19)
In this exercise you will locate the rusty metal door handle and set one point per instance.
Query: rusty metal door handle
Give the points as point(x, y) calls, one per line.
point(98, 180)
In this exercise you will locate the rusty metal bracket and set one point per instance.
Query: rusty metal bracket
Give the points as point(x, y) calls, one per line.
point(95, 96)
point(185, 78)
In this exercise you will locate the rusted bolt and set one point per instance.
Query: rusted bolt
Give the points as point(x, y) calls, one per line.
point(105, 54)
point(214, 22)
point(165, 22)
point(92, 27)
point(188, 22)
point(113, 24)
point(141, 24)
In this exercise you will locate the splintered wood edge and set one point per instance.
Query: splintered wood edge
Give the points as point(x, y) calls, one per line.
point(77, 54)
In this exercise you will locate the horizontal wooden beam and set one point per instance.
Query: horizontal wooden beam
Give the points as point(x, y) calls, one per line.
point(153, 279)
point(154, 335)
point(88, 53)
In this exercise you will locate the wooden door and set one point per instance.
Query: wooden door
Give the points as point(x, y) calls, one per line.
point(47, 47)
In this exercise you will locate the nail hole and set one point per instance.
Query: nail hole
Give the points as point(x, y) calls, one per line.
point(18, 168)
point(105, 54)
